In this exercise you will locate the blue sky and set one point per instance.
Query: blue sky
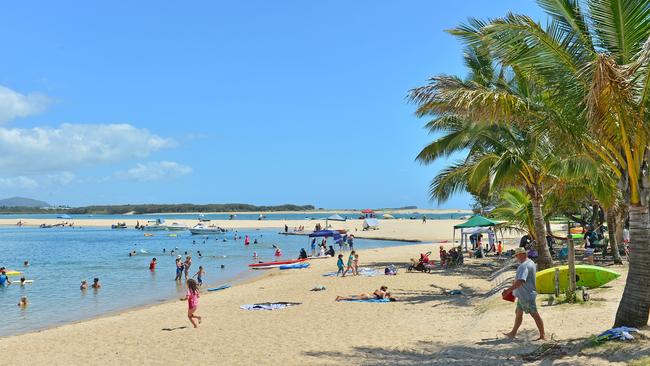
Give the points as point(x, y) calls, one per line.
point(263, 102)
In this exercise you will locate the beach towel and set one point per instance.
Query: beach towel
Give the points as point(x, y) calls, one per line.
point(366, 272)
point(367, 300)
point(620, 333)
point(269, 305)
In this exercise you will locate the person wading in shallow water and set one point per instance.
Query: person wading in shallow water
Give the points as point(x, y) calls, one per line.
point(524, 289)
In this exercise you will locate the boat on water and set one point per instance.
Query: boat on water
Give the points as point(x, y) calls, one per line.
point(267, 265)
point(200, 229)
point(155, 225)
point(175, 226)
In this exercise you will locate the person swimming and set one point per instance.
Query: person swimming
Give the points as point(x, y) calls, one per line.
point(23, 302)
point(84, 285)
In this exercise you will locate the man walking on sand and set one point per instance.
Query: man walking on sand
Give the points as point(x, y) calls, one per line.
point(524, 289)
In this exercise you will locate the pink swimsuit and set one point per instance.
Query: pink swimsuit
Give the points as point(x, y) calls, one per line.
point(192, 299)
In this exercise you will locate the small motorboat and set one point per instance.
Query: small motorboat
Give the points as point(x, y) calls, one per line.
point(200, 229)
point(176, 227)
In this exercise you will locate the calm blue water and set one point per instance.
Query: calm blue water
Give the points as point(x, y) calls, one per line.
point(61, 257)
point(269, 216)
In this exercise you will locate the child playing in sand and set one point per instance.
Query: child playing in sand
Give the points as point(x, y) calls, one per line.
point(23, 302)
point(199, 274)
point(192, 298)
point(339, 263)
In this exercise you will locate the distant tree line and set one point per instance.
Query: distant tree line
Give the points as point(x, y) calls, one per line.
point(159, 208)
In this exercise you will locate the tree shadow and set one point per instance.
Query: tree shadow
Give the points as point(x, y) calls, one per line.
point(495, 351)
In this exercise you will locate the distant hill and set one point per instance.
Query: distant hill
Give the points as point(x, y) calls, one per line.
point(22, 202)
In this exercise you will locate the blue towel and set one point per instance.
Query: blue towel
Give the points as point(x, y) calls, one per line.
point(368, 300)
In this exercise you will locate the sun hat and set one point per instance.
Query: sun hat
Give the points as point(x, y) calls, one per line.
point(520, 250)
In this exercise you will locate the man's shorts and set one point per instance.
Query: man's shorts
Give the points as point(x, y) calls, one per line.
point(527, 306)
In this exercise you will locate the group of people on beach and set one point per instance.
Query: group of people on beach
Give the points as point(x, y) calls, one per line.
point(352, 265)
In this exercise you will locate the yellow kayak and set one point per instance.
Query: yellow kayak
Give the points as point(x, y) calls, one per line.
point(11, 272)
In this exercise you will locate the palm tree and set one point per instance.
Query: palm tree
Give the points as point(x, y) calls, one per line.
point(517, 210)
point(594, 59)
point(498, 117)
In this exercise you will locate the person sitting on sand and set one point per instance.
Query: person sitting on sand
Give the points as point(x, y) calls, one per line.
point(84, 285)
point(302, 254)
point(23, 302)
point(443, 256)
point(379, 294)
point(96, 284)
point(330, 252)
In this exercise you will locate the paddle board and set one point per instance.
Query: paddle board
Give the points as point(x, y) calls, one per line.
point(219, 288)
point(27, 282)
point(586, 275)
point(294, 266)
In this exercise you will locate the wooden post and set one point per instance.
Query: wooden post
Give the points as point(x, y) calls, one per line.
point(572, 266)
point(557, 282)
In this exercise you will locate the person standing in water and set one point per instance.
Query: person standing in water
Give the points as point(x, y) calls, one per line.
point(199, 275)
point(188, 264)
point(524, 289)
point(247, 240)
point(192, 298)
point(152, 264)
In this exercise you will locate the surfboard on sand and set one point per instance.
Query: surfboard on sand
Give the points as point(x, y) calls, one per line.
point(586, 275)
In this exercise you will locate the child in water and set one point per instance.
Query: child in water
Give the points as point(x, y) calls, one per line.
point(199, 274)
point(339, 263)
point(96, 284)
point(192, 298)
point(23, 302)
point(84, 285)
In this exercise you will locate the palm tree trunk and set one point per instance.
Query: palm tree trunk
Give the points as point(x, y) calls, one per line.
point(544, 260)
point(635, 305)
point(612, 224)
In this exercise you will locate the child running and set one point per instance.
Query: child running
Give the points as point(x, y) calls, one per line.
point(339, 263)
point(199, 274)
point(192, 298)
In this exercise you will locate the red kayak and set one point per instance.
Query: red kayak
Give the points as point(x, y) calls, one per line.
point(275, 264)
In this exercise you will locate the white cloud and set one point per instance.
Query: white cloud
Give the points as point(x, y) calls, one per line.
point(62, 178)
point(43, 150)
point(18, 182)
point(151, 171)
point(14, 104)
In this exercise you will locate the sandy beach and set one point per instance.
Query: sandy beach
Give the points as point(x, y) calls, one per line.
point(426, 326)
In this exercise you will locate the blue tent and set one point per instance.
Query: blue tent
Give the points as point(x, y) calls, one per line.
point(326, 234)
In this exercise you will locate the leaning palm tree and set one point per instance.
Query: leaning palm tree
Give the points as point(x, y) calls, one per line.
point(594, 58)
